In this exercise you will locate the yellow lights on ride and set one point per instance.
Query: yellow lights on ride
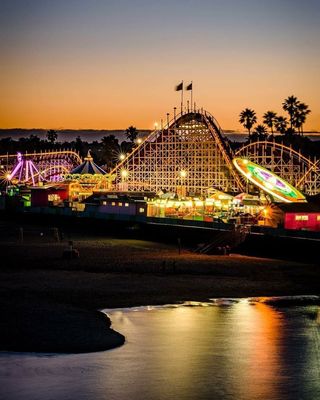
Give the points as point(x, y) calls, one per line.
point(183, 173)
point(122, 157)
point(139, 141)
point(124, 173)
point(194, 203)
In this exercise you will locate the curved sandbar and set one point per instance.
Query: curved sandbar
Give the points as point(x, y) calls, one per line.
point(55, 328)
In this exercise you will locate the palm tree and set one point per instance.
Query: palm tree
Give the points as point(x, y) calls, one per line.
point(281, 124)
point(269, 119)
point(301, 116)
point(291, 105)
point(260, 132)
point(110, 150)
point(132, 134)
point(248, 118)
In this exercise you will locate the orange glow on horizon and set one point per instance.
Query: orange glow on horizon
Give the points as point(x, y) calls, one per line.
point(58, 102)
point(115, 64)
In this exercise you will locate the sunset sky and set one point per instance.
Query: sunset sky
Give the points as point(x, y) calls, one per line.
point(108, 64)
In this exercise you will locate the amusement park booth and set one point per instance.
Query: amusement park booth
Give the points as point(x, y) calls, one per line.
point(118, 203)
point(304, 216)
point(43, 196)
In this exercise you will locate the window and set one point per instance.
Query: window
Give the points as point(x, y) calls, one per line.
point(301, 218)
point(53, 197)
point(104, 203)
point(141, 210)
point(126, 204)
point(120, 204)
point(318, 217)
point(113, 203)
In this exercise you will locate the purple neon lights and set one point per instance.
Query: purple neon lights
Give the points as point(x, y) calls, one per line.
point(25, 171)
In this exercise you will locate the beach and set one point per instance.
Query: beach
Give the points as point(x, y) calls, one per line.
point(37, 282)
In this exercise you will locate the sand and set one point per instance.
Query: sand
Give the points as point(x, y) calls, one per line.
point(49, 303)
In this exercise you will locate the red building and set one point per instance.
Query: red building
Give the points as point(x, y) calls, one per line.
point(303, 216)
point(43, 196)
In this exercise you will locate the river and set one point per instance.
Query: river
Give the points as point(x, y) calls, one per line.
point(227, 350)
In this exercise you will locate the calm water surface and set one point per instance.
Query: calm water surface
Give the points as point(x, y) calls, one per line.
point(229, 351)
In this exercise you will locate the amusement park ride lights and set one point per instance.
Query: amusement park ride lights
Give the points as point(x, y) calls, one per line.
point(33, 168)
point(24, 171)
point(124, 173)
point(268, 181)
point(183, 173)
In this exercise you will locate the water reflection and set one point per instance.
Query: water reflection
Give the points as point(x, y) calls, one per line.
point(231, 351)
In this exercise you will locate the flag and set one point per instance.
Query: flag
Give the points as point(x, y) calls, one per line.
point(189, 87)
point(179, 87)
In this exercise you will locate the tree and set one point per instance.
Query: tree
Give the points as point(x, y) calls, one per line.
point(301, 116)
point(281, 124)
point(110, 150)
point(132, 134)
point(248, 118)
point(79, 145)
point(52, 136)
point(260, 132)
point(290, 105)
point(269, 119)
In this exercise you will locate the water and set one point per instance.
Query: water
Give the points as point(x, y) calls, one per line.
point(89, 135)
point(235, 350)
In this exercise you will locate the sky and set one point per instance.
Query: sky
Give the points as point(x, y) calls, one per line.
point(108, 64)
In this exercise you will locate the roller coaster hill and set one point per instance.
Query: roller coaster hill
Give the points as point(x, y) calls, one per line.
point(185, 170)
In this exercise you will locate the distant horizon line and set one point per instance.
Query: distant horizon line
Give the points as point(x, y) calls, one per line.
point(237, 131)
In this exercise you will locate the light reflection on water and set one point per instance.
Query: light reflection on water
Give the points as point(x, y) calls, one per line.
point(232, 351)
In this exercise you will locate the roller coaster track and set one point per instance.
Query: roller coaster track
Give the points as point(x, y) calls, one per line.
point(189, 153)
point(49, 165)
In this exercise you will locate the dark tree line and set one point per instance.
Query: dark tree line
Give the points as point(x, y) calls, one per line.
point(106, 152)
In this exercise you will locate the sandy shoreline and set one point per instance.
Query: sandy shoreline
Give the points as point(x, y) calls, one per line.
point(115, 273)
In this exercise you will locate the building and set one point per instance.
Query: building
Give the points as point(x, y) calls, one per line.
point(51, 194)
point(118, 203)
point(298, 216)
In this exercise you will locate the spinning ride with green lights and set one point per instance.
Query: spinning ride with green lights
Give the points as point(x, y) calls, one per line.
point(268, 181)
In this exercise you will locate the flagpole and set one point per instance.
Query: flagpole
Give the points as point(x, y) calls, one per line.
point(191, 94)
point(182, 98)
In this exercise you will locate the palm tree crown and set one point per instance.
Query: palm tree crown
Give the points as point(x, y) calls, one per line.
point(281, 124)
point(301, 116)
point(248, 118)
point(290, 105)
point(259, 133)
point(269, 118)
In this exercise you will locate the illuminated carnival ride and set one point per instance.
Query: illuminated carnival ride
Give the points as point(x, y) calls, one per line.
point(268, 181)
point(24, 171)
point(187, 164)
